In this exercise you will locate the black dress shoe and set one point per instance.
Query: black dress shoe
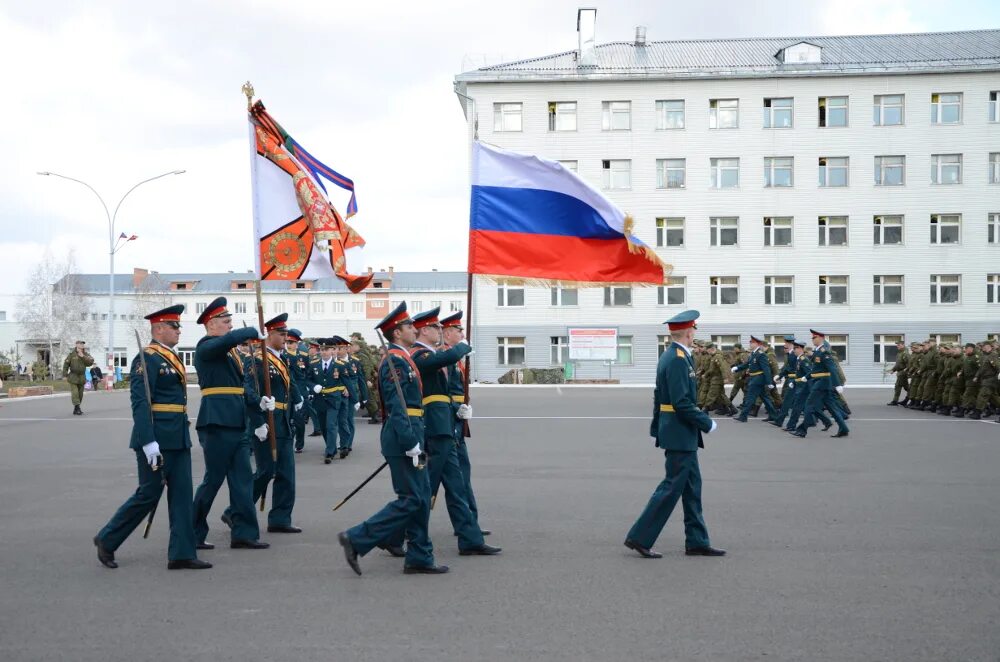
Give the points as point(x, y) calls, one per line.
point(343, 453)
point(892, 404)
point(394, 550)
point(328, 459)
point(424, 569)
point(704, 551)
point(106, 557)
point(248, 544)
point(315, 433)
point(298, 451)
point(283, 529)
point(485, 532)
point(798, 433)
point(482, 550)
point(349, 552)
point(205, 545)
point(827, 427)
point(643, 552)
point(188, 564)
point(840, 433)
point(227, 520)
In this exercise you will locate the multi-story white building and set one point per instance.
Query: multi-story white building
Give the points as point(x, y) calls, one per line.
point(849, 184)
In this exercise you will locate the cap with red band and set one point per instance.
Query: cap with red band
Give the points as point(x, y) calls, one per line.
point(170, 314)
point(427, 318)
point(817, 334)
point(215, 309)
point(454, 320)
point(279, 323)
point(396, 318)
point(683, 320)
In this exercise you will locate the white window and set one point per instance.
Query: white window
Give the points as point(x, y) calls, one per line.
point(725, 342)
point(616, 174)
point(416, 306)
point(319, 307)
point(617, 296)
point(778, 231)
point(994, 107)
point(671, 173)
point(946, 169)
point(120, 357)
point(559, 350)
point(338, 306)
point(778, 290)
point(670, 114)
point(993, 230)
point(725, 173)
point(198, 308)
point(93, 317)
point(724, 230)
point(240, 307)
point(890, 170)
point(565, 296)
point(569, 165)
point(562, 116)
point(838, 345)
point(662, 342)
point(946, 108)
point(992, 288)
point(506, 117)
point(510, 350)
point(946, 288)
point(186, 355)
point(725, 290)
point(994, 173)
point(778, 171)
point(510, 294)
point(670, 232)
point(888, 110)
point(357, 306)
point(888, 230)
point(624, 350)
point(437, 304)
point(833, 290)
point(833, 171)
point(885, 347)
point(777, 343)
point(946, 228)
point(104, 317)
point(673, 293)
point(299, 307)
point(376, 303)
point(454, 305)
point(888, 290)
point(723, 113)
point(279, 306)
point(778, 113)
point(832, 111)
point(616, 115)
point(833, 231)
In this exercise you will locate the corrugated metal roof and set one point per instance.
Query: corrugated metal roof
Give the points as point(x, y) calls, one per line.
point(977, 50)
point(216, 283)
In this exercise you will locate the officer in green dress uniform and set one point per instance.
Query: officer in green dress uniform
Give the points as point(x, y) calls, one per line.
point(823, 382)
point(222, 420)
point(75, 368)
point(295, 358)
point(677, 428)
point(401, 438)
point(161, 441)
point(759, 380)
point(312, 356)
point(326, 382)
point(349, 377)
point(789, 375)
point(799, 392)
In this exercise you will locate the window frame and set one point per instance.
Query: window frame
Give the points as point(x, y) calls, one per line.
point(665, 227)
point(774, 224)
point(559, 348)
point(502, 110)
point(824, 225)
point(825, 170)
point(715, 230)
point(881, 285)
point(663, 291)
point(993, 228)
point(608, 174)
point(771, 168)
point(717, 169)
point(663, 113)
point(938, 167)
point(881, 343)
point(716, 287)
point(620, 345)
point(771, 287)
point(993, 288)
point(504, 346)
point(609, 112)
point(714, 108)
point(823, 113)
point(663, 171)
point(879, 225)
point(770, 111)
point(880, 107)
point(937, 287)
point(938, 106)
point(556, 295)
point(881, 169)
point(611, 294)
point(826, 288)
point(938, 225)
point(504, 290)
point(833, 340)
point(554, 114)
point(993, 168)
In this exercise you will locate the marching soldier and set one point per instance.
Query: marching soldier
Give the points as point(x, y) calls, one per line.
point(759, 373)
point(739, 355)
point(329, 395)
point(899, 369)
point(313, 355)
point(345, 419)
point(401, 438)
point(361, 377)
point(822, 383)
point(951, 380)
point(222, 420)
point(162, 444)
point(715, 374)
point(914, 369)
point(970, 368)
point(798, 391)
point(986, 378)
point(929, 388)
point(677, 428)
point(789, 375)
point(296, 359)
point(363, 353)
point(75, 368)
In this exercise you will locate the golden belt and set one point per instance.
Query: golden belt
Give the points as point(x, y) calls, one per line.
point(168, 409)
point(222, 390)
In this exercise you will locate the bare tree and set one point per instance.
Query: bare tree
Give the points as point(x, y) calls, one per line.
point(150, 295)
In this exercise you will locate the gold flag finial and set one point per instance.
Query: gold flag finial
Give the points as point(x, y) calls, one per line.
point(248, 91)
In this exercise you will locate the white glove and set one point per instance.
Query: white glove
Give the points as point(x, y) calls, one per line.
point(357, 406)
point(840, 389)
point(712, 429)
point(777, 378)
point(317, 388)
point(153, 456)
point(414, 453)
point(653, 439)
point(770, 387)
point(299, 404)
point(791, 384)
point(464, 412)
point(267, 404)
point(261, 335)
point(261, 432)
point(734, 369)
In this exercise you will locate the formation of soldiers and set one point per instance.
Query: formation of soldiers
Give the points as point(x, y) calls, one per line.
point(259, 389)
point(948, 379)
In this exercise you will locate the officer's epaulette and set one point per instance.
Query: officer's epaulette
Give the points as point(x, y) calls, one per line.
point(681, 353)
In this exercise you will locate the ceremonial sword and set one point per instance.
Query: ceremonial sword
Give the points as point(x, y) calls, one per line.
point(149, 400)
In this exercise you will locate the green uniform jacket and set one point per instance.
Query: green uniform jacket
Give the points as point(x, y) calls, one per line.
point(170, 427)
point(284, 390)
point(988, 366)
point(218, 367)
point(401, 430)
point(677, 423)
point(902, 359)
point(439, 417)
point(77, 367)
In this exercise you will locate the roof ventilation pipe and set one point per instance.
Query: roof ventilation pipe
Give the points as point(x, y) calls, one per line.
point(640, 35)
point(586, 25)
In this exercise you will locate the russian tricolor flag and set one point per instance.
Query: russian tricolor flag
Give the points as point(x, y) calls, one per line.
point(532, 218)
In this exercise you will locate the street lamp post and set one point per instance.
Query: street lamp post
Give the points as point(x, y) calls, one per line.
point(114, 245)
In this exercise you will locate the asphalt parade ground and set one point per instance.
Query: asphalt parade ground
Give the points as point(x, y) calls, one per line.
point(881, 546)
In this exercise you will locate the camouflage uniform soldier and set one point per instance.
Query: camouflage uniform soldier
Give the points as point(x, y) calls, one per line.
point(970, 368)
point(948, 377)
point(914, 371)
point(715, 374)
point(366, 357)
point(700, 365)
point(738, 356)
point(986, 378)
point(902, 359)
point(929, 385)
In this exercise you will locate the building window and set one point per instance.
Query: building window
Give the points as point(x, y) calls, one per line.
point(377, 303)
point(670, 114)
point(888, 290)
point(454, 305)
point(833, 290)
point(299, 307)
point(617, 296)
point(725, 342)
point(993, 230)
point(198, 308)
point(93, 317)
point(946, 228)
point(616, 115)
point(725, 290)
point(778, 171)
point(994, 107)
point(994, 173)
point(946, 169)
point(833, 171)
point(358, 306)
point(890, 170)
point(992, 288)
point(724, 113)
point(838, 345)
point(186, 355)
point(673, 293)
point(319, 307)
point(569, 165)
point(724, 231)
point(437, 304)
point(778, 113)
point(662, 342)
point(506, 117)
point(510, 294)
point(670, 173)
point(777, 343)
point(510, 350)
point(888, 230)
point(947, 337)
point(833, 231)
point(946, 108)
point(945, 288)
point(778, 231)
point(562, 116)
point(240, 307)
point(416, 306)
point(778, 290)
point(725, 173)
point(616, 174)
point(888, 110)
point(885, 348)
point(279, 306)
point(670, 232)
point(565, 296)
point(559, 350)
point(337, 306)
point(832, 111)
point(624, 350)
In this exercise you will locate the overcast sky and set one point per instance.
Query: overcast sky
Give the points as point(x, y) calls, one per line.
point(115, 92)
